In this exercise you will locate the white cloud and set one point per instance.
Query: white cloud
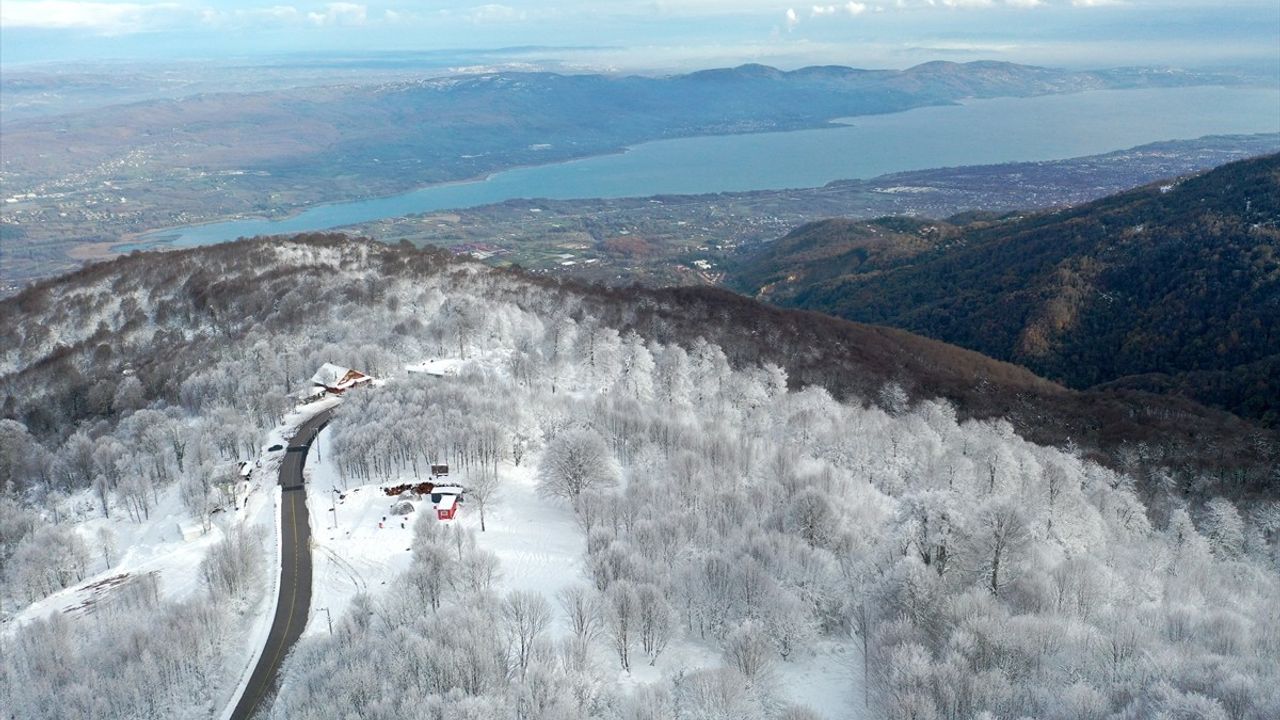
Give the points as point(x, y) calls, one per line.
point(852, 8)
point(1023, 3)
point(342, 14)
point(494, 13)
point(968, 3)
point(792, 18)
point(103, 17)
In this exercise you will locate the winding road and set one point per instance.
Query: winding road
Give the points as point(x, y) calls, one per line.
point(295, 571)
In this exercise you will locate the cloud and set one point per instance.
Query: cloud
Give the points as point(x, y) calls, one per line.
point(1023, 3)
point(1095, 3)
point(852, 8)
point(792, 18)
point(968, 3)
point(494, 13)
point(103, 17)
point(340, 14)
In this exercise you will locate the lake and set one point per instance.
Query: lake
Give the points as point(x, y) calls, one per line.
point(973, 133)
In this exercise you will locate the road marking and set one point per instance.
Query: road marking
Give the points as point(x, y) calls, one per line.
point(293, 513)
point(293, 510)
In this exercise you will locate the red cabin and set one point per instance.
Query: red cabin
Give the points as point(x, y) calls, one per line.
point(447, 507)
point(445, 499)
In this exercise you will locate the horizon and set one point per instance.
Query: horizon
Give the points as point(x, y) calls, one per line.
point(647, 37)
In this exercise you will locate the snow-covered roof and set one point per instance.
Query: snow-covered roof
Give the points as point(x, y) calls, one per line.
point(446, 490)
point(447, 502)
point(329, 375)
point(336, 376)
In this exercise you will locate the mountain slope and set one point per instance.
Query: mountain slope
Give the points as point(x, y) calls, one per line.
point(1174, 286)
point(158, 315)
point(743, 528)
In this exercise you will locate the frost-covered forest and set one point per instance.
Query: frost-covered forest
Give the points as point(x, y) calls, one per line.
point(723, 503)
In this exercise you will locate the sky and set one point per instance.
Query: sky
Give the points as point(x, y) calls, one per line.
point(657, 35)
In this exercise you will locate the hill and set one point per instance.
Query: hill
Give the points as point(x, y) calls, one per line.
point(1172, 287)
point(158, 315)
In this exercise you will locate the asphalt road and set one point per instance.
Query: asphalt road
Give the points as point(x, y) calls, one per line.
point(295, 572)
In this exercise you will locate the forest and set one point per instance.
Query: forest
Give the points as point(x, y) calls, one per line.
point(726, 500)
point(1168, 288)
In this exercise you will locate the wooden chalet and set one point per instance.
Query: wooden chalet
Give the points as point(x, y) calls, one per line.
point(336, 379)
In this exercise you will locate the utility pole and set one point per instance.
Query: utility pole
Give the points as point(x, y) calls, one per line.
point(334, 509)
point(329, 617)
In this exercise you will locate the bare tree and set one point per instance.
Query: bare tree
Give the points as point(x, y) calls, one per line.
point(749, 650)
point(999, 537)
point(582, 609)
point(107, 541)
point(527, 615)
point(654, 620)
point(575, 462)
point(482, 486)
point(621, 605)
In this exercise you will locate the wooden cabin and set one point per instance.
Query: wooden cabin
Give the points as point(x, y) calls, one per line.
point(336, 379)
point(445, 499)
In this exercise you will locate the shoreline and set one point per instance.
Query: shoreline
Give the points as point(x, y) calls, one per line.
point(155, 239)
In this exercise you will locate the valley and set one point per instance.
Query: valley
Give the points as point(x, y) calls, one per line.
point(1171, 287)
point(250, 159)
point(694, 239)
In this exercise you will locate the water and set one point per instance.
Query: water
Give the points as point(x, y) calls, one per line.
point(977, 132)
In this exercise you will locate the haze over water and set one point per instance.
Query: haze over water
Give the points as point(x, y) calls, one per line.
point(978, 132)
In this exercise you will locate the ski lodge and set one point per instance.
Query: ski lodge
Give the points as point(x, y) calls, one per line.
point(336, 379)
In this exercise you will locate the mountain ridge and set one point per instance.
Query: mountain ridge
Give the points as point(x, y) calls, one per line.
point(150, 313)
point(1150, 288)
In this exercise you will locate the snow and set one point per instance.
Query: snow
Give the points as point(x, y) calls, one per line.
point(828, 680)
point(352, 554)
point(256, 639)
point(535, 538)
point(155, 546)
point(170, 544)
point(541, 549)
point(439, 367)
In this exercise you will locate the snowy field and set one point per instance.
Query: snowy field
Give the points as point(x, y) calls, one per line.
point(541, 548)
point(169, 546)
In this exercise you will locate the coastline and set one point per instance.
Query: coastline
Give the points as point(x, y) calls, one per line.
point(168, 237)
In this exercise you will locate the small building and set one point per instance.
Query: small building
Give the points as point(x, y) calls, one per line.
point(447, 507)
point(337, 379)
point(445, 499)
point(440, 471)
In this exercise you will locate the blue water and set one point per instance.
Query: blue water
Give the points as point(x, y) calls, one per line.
point(977, 132)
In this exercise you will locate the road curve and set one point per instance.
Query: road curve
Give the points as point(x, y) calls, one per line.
point(295, 571)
